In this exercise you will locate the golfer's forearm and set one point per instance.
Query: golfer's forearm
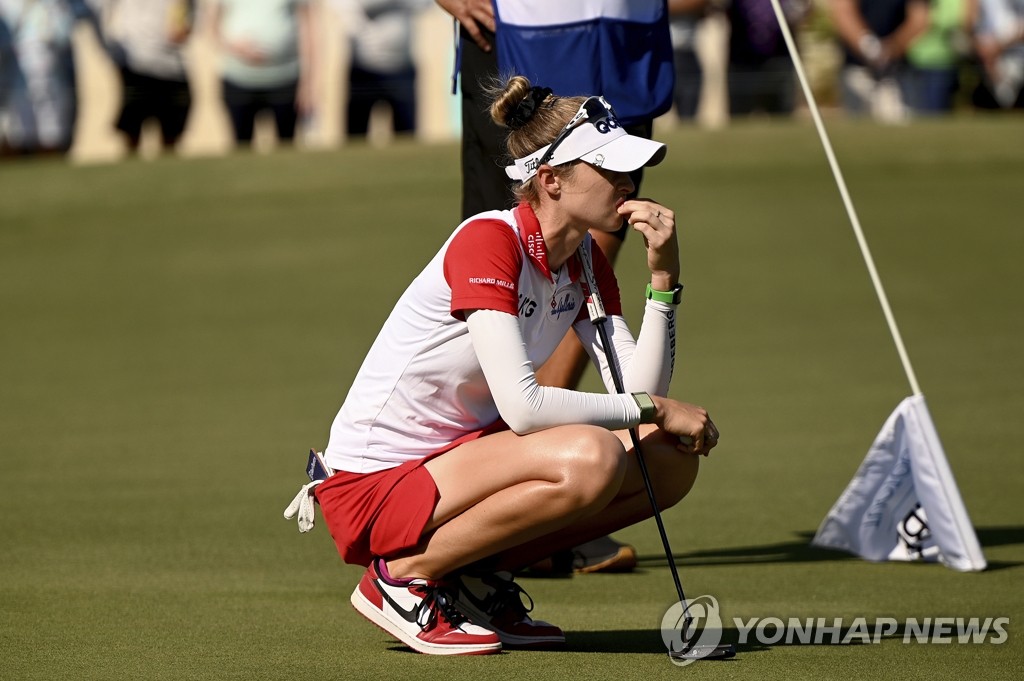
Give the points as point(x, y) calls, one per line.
point(645, 366)
point(522, 403)
point(542, 407)
point(654, 356)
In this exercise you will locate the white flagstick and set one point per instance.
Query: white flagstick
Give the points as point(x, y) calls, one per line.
point(953, 530)
point(838, 175)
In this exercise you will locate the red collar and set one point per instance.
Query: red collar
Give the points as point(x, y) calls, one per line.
point(533, 242)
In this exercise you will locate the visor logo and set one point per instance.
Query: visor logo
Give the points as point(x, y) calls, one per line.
point(606, 125)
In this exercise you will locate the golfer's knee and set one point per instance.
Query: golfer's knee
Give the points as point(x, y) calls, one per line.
point(679, 481)
point(673, 473)
point(594, 465)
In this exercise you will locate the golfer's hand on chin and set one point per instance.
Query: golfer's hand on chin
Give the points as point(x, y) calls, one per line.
point(691, 424)
point(657, 225)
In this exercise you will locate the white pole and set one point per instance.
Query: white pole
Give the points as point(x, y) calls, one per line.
point(838, 175)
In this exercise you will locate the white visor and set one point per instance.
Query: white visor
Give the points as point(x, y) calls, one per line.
point(601, 142)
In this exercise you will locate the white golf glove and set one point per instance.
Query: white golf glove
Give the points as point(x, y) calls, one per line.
point(302, 505)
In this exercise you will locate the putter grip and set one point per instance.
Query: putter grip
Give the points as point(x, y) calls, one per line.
point(595, 308)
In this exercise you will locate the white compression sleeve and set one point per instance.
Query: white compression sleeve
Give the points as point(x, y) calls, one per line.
point(523, 404)
point(646, 364)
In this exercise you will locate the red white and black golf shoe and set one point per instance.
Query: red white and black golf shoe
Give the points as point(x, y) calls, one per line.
point(420, 614)
point(495, 601)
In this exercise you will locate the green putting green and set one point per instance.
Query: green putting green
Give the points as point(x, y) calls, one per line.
point(175, 335)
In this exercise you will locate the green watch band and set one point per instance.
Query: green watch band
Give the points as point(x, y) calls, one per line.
point(647, 408)
point(671, 297)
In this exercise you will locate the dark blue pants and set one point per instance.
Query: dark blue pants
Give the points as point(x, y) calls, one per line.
point(367, 88)
point(244, 103)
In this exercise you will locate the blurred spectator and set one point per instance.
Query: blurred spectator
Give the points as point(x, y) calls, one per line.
point(999, 42)
point(145, 39)
point(934, 59)
point(684, 17)
point(875, 35)
point(761, 73)
point(382, 67)
point(267, 62)
point(38, 90)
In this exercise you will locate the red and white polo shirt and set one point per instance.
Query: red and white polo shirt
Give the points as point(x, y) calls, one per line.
point(421, 386)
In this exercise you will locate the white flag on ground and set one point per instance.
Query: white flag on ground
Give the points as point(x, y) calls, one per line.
point(903, 503)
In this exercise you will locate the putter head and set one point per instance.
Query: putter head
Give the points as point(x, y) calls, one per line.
point(693, 646)
point(722, 651)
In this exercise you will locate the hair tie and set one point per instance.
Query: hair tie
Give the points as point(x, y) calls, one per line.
point(527, 107)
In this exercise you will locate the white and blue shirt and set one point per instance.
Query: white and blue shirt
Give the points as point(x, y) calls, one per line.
point(619, 49)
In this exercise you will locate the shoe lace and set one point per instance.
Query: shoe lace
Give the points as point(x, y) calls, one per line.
point(508, 594)
point(437, 601)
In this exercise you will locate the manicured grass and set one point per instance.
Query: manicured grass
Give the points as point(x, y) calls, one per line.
point(176, 334)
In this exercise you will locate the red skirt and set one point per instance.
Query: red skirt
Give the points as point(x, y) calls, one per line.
point(383, 513)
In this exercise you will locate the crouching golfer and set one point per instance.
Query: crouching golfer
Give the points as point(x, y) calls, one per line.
point(454, 468)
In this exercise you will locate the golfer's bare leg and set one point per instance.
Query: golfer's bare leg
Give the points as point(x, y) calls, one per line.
point(504, 490)
point(554, 498)
point(672, 473)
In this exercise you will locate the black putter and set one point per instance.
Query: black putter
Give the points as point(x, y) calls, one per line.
point(595, 308)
